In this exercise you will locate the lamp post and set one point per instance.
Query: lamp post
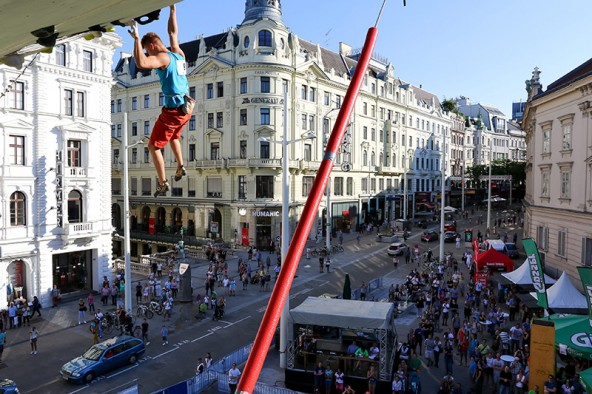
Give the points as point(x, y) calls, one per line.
point(442, 196)
point(462, 180)
point(405, 187)
point(489, 189)
point(126, 213)
point(285, 240)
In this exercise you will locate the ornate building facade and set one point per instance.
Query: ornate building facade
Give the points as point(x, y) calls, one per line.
point(558, 199)
point(55, 212)
point(231, 145)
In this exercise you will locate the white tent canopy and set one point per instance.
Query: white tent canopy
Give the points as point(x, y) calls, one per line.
point(521, 275)
point(563, 295)
point(332, 312)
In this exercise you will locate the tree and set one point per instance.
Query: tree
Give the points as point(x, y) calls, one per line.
point(347, 288)
point(450, 105)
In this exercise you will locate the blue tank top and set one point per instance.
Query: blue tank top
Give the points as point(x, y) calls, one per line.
point(174, 80)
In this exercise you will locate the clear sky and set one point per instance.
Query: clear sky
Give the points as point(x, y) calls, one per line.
point(483, 50)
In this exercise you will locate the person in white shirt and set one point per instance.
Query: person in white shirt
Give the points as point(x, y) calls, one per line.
point(233, 376)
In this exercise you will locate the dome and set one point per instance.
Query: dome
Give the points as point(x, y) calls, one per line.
point(256, 10)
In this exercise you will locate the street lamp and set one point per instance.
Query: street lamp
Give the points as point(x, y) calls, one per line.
point(442, 196)
point(489, 188)
point(285, 240)
point(126, 213)
point(406, 203)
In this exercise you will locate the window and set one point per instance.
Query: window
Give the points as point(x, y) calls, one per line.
point(134, 186)
point(304, 121)
point(192, 92)
point(68, 96)
point(373, 134)
point(285, 86)
point(112, 106)
point(243, 85)
point(246, 42)
point(338, 186)
point(214, 187)
point(365, 158)
point(134, 155)
point(566, 129)
point(74, 153)
point(265, 85)
point(146, 186)
point(542, 238)
point(220, 89)
point(561, 242)
point(242, 187)
point(18, 203)
point(16, 150)
point(146, 155)
point(147, 100)
point(264, 186)
point(214, 150)
point(304, 92)
point(116, 186)
point(326, 125)
point(545, 184)
point(264, 149)
point(119, 130)
point(243, 117)
point(364, 108)
point(190, 186)
point(191, 152)
point(327, 99)
point(364, 184)
point(587, 251)
point(547, 140)
point(373, 111)
point(160, 99)
point(243, 149)
point(307, 182)
point(74, 207)
point(265, 117)
point(338, 101)
point(134, 103)
point(134, 129)
point(146, 127)
point(210, 91)
point(365, 132)
point(80, 104)
point(307, 152)
point(219, 119)
point(373, 88)
point(313, 94)
point(264, 38)
point(60, 52)
point(565, 180)
point(210, 120)
point(349, 189)
point(311, 123)
point(119, 105)
point(192, 123)
point(87, 61)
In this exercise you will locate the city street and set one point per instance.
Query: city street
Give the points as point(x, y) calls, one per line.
point(61, 339)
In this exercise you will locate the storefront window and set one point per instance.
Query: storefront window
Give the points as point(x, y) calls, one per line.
point(72, 271)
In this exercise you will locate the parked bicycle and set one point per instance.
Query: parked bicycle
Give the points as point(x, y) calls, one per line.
point(156, 307)
point(144, 311)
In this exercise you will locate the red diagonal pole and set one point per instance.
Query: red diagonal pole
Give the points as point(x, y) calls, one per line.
point(281, 289)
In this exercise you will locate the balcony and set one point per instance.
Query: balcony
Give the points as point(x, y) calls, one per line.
point(265, 163)
point(76, 172)
point(201, 164)
point(309, 165)
point(238, 162)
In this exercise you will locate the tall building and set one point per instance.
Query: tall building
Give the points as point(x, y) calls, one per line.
point(558, 202)
point(233, 190)
point(55, 212)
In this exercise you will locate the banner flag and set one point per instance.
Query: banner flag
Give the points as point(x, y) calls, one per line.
point(586, 278)
point(536, 271)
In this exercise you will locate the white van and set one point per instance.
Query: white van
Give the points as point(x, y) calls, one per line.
point(496, 244)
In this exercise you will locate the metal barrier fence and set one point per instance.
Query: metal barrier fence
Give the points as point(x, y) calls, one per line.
point(218, 372)
point(372, 286)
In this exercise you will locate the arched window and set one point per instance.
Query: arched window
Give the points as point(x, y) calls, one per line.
point(246, 42)
point(116, 216)
point(264, 38)
point(146, 218)
point(365, 158)
point(18, 213)
point(74, 207)
point(373, 159)
point(176, 219)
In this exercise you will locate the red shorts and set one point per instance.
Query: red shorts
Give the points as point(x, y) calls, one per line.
point(168, 126)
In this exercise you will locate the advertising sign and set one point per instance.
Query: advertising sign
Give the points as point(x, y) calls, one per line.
point(536, 271)
point(586, 278)
point(542, 352)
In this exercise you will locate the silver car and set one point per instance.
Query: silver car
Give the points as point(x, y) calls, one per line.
point(396, 249)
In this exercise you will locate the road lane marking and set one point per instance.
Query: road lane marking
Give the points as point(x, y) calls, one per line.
point(167, 352)
point(202, 337)
point(122, 371)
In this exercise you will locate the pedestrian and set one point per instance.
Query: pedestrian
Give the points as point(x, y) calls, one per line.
point(36, 306)
point(171, 67)
point(318, 377)
point(200, 367)
point(26, 314)
point(164, 333)
point(457, 240)
point(328, 379)
point(94, 329)
point(81, 312)
point(55, 296)
point(339, 380)
point(145, 326)
point(2, 342)
point(139, 292)
point(90, 299)
point(33, 335)
point(208, 360)
point(395, 261)
point(99, 317)
point(233, 376)
point(363, 291)
point(114, 291)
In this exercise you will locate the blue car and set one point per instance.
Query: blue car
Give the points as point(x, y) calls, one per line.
point(102, 358)
point(7, 386)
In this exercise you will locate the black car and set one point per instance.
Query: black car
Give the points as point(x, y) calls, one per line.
point(450, 236)
point(429, 236)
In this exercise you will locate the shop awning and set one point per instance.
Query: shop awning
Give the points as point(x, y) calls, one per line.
point(586, 379)
point(573, 335)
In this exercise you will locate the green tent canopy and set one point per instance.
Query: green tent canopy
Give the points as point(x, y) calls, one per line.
point(586, 380)
point(573, 335)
